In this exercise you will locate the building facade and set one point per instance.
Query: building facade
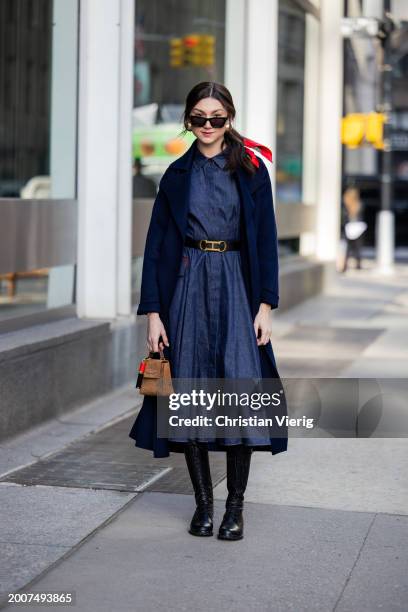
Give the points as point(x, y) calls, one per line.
point(91, 101)
point(362, 166)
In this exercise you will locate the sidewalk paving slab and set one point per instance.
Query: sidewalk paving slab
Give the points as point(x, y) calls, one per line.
point(41, 524)
point(364, 475)
point(292, 558)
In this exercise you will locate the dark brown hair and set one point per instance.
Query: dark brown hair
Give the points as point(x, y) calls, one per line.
point(237, 156)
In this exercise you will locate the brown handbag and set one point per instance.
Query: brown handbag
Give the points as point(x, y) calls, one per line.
point(156, 376)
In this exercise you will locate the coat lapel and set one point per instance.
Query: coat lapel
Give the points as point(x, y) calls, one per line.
point(177, 188)
point(246, 198)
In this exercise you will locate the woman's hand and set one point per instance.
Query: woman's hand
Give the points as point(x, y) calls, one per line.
point(155, 329)
point(263, 323)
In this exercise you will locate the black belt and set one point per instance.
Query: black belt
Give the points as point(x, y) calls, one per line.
point(213, 245)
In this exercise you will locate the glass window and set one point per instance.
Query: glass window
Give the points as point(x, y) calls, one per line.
point(178, 43)
point(289, 137)
point(38, 98)
point(38, 123)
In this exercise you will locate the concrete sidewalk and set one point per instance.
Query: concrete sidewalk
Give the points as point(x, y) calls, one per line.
point(326, 522)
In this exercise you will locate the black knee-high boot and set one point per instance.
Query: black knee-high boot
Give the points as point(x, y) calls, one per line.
point(199, 469)
point(238, 464)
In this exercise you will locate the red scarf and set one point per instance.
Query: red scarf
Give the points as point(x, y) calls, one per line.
point(262, 148)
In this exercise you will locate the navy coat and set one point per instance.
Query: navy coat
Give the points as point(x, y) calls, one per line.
point(162, 259)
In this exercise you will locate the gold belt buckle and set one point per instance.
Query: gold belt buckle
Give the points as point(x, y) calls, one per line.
point(221, 249)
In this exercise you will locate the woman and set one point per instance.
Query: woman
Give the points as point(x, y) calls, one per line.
point(209, 304)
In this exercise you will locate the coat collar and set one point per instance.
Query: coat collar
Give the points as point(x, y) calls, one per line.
point(176, 185)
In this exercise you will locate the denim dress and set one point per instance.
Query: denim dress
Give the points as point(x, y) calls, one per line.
point(211, 330)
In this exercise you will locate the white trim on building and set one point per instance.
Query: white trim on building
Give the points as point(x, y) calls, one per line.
point(104, 160)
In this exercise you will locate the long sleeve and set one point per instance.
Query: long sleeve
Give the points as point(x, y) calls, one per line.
point(267, 240)
point(149, 292)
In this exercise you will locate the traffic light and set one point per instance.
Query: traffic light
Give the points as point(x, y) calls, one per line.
point(359, 128)
point(352, 130)
point(176, 52)
point(192, 50)
point(207, 50)
point(374, 129)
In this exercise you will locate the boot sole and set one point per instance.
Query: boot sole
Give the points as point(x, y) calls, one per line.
point(230, 538)
point(201, 534)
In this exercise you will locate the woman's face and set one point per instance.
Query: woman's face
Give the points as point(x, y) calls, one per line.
point(209, 107)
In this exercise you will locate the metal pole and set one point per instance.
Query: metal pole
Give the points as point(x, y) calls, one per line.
point(385, 217)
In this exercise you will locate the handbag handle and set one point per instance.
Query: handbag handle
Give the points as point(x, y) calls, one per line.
point(162, 357)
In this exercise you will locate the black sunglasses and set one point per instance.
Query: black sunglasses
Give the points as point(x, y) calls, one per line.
point(216, 122)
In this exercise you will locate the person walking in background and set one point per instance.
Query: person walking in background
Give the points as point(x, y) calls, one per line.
point(143, 186)
point(353, 226)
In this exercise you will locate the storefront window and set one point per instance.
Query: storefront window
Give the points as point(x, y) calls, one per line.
point(38, 117)
point(38, 98)
point(291, 69)
point(178, 43)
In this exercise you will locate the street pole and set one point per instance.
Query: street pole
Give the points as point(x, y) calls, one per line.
point(385, 241)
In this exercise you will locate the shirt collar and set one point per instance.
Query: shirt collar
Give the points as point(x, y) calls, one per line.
point(220, 159)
